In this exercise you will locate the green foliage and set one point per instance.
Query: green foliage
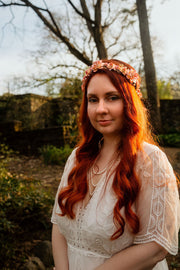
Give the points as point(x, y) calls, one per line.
point(175, 84)
point(71, 88)
point(172, 140)
point(24, 207)
point(70, 127)
point(55, 156)
point(52, 87)
point(5, 156)
point(5, 151)
point(164, 89)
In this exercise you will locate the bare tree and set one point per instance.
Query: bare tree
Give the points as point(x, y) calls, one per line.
point(84, 33)
point(96, 29)
point(149, 67)
point(97, 36)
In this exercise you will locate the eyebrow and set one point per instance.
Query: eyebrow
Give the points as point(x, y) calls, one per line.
point(107, 94)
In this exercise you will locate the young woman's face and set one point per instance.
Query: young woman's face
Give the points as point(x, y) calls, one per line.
point(105, 106)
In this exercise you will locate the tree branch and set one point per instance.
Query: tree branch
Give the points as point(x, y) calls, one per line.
point(2, 4)
point(40, 82)
point(55, 29)
point(98, 32)
point(113, 20)
point(21, 5)
point(98, 13)
point(87, 18)
point(124, 49)
point(67, 66)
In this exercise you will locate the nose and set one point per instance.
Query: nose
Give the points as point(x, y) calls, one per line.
point(102, 107)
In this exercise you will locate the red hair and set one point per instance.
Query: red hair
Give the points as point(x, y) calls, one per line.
point(125, 183)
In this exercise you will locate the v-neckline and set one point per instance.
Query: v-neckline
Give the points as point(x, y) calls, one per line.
point(100, 183)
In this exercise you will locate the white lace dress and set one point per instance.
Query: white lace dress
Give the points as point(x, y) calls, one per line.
point(88, 236)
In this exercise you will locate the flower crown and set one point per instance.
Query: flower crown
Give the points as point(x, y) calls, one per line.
point(129, 73)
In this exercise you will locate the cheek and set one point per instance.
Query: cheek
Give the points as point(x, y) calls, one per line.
point(90, 112)
point(118, 110)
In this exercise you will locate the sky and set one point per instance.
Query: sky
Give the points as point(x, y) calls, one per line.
point(14, 59)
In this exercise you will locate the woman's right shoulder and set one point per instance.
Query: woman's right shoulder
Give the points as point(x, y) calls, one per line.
point(73, 153)
point(71, 160)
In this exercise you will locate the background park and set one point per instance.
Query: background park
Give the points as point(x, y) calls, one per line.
point(39, 107)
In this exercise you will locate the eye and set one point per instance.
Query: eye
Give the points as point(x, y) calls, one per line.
point(92, 99)
point(114, 97)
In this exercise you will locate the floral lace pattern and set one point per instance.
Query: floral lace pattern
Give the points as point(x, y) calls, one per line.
point(88, 236)
point(160, 196)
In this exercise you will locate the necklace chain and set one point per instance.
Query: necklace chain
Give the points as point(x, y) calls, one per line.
point(91, 185)
point(95, 171)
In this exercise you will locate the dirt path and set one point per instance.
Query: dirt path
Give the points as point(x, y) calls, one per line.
point(50, 175)
point(34, 168)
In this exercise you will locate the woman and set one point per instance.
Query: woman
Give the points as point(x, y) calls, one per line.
point(117, 204)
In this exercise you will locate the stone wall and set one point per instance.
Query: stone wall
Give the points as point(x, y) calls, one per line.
point(170, 115)
point(29, 142)
point(64, 111)
point(29, 121)
point(37, 112)
point(32, 110)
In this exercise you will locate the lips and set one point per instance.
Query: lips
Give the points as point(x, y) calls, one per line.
point(104, 122)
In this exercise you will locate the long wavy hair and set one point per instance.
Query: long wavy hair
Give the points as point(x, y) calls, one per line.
point(126, 185)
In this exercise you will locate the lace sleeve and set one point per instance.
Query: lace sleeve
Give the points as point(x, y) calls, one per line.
point(158, 203)
point(68, 167)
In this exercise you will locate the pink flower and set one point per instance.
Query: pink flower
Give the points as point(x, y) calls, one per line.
point(130, 74)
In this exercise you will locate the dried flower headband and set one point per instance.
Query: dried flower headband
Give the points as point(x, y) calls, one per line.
point(130, 74)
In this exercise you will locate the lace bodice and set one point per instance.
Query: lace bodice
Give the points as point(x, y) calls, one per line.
point(88, 235)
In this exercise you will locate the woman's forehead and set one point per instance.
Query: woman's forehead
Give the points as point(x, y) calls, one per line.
point(100, 84)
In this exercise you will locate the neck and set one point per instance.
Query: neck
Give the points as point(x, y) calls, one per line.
point(110, 145)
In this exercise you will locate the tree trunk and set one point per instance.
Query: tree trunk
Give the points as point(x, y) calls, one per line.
point(95, 27)
point(149, 67)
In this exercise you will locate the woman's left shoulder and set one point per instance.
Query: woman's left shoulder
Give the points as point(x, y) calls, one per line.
point(152, 156)
point(150, 151)
point(149, 148)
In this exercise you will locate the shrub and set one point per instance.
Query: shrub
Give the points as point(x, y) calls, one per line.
point(5, 151)
point(55, 156)
point(24, 209)
point(172, 140)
